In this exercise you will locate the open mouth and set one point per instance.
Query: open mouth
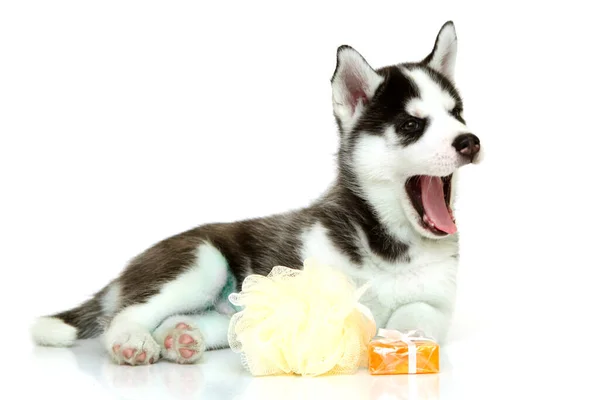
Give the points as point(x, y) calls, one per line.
point(430, 196)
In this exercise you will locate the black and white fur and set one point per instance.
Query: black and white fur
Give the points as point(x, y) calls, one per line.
point(364, 224)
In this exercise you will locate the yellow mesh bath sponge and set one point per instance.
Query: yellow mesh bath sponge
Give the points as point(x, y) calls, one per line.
point(305, 322)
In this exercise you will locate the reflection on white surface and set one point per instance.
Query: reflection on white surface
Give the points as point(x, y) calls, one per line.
point(359, 386)
point(220, 376)
point(498, 365)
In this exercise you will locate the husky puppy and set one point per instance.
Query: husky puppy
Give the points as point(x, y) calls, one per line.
point(387, 219)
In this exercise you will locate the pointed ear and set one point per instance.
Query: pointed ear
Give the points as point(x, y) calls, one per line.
point(353, 84)
point(443, 56)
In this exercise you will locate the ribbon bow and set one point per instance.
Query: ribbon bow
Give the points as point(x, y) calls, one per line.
point(406, 337)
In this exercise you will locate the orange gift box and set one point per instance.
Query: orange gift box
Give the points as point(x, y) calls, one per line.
point(393, 352)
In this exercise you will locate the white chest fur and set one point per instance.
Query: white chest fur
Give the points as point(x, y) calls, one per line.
point(428, 277)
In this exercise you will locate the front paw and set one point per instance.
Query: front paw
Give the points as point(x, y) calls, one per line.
point(420, 319)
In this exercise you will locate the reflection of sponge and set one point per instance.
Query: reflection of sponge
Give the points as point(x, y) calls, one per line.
point(306, 322)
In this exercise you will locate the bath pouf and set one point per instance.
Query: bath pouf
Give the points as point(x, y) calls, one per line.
point(306, 322)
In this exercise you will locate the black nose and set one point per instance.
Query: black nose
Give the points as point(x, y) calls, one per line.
point(467, 144)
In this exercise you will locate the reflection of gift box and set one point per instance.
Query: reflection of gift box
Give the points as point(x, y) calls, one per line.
point(393, 352)
point(407, 387)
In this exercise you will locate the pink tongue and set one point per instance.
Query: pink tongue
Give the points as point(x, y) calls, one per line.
point(432, 193)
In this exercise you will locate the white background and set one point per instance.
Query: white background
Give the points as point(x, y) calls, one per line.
point(123, 122)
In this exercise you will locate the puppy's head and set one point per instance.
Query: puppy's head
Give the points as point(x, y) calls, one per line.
point(402, 126)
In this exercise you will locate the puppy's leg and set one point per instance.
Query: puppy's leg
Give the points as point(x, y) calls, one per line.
point(129, 339)
point(184, 338)
point(433, 321)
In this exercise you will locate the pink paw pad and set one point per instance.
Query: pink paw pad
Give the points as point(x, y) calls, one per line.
point(182, 325)
point(186, 339)
point(186, 353)
point(169, 342)
point(128, 353)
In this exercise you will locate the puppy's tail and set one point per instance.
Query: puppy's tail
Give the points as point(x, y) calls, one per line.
point(82, 322)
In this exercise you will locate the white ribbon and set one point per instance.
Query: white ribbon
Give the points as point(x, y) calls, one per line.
point(407, 338)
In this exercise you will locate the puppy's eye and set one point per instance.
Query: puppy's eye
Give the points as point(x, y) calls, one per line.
point(456, 113)
point(411, 125)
